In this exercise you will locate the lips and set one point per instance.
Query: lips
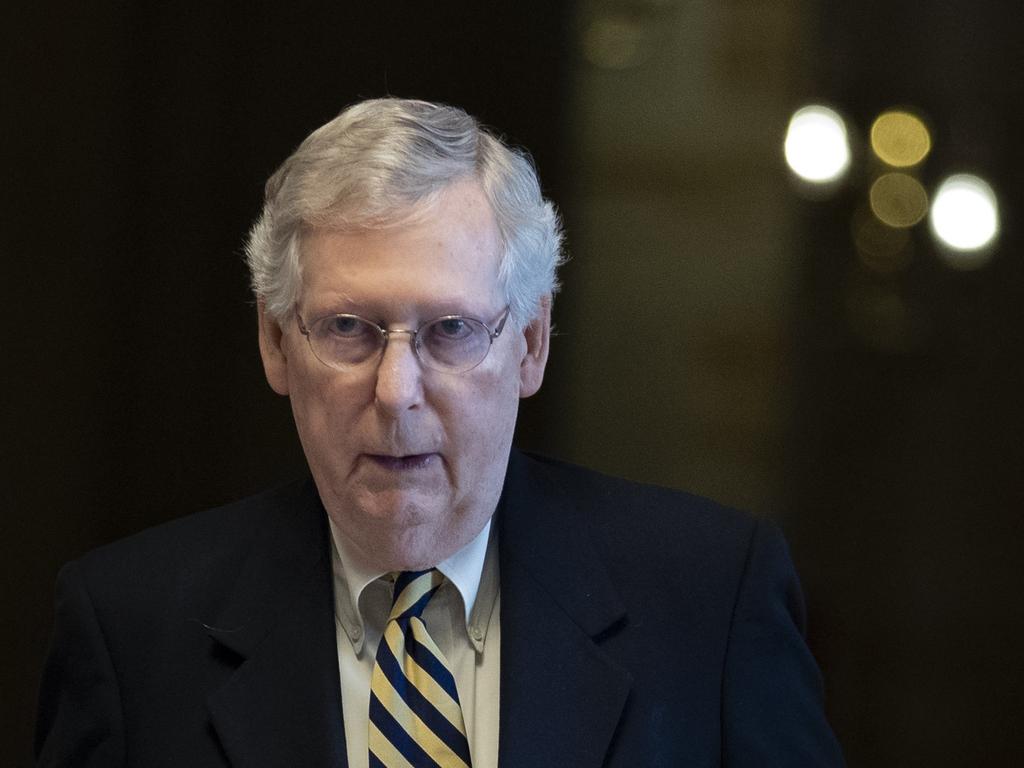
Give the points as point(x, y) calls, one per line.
point(403, 463)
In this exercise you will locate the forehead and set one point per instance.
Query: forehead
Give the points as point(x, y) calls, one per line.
point(446, 259)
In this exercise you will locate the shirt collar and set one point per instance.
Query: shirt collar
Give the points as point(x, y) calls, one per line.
point(472, 570)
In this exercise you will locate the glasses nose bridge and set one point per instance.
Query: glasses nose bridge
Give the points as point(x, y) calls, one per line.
point(412, 333)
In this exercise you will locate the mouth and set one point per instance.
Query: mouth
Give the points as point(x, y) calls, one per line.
point(405, 463)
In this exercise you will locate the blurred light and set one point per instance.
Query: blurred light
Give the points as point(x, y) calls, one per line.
point(817, 146)
point(616, 42)
point(900, 139)
point(965, 217)
point(898, 200)
point(882, 318)
point(880, 247)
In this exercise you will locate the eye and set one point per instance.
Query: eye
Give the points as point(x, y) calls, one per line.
point(451, 329)
point(454, 343)
point(346, 326)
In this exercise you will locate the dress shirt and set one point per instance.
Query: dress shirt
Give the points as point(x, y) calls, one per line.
point(462, 618)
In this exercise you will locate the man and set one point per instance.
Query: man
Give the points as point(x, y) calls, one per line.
point(431, 596)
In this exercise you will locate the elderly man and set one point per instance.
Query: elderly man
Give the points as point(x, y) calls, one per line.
point(430, 597)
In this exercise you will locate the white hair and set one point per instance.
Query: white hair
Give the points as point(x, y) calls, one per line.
point(380, 163)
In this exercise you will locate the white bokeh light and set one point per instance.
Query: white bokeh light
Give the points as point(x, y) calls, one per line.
point(817, 146)
point(964, 214)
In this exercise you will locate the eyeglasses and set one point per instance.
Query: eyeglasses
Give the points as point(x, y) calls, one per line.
point(450, 344)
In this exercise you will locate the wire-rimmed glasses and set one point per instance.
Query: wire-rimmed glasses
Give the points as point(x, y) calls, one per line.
point(450, 344)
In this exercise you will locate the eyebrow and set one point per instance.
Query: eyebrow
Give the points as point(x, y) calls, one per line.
point(377, 311)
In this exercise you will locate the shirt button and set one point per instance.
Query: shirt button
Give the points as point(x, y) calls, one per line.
point(356, 633)
point(476, 633)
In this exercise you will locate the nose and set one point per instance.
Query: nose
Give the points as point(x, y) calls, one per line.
point(399, 376)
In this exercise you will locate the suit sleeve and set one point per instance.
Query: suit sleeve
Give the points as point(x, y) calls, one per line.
point(772, 699)
point(79, 719)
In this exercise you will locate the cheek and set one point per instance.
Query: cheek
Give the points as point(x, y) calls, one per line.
point(487, 415)
point(322, 408)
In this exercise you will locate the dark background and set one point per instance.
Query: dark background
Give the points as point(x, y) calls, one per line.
point(137, 140)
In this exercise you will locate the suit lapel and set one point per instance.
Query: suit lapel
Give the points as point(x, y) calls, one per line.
point(282, 705)
point(561, 696)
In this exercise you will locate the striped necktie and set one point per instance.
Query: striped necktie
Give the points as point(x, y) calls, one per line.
point(415, 717)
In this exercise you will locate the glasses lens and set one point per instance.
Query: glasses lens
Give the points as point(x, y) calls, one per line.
point(454, 343)
point(344, 340)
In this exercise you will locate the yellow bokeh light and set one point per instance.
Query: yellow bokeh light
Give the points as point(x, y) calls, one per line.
point(881, 248)
point(900, 139)
point(898, 200)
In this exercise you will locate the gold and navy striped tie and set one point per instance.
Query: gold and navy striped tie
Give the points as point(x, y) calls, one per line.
point(415, 717)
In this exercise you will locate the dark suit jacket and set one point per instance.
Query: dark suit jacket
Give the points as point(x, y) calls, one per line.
point(639, 627)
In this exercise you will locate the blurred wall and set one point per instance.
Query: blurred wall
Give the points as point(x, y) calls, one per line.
point(680, 296)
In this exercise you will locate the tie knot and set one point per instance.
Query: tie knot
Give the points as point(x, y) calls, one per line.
point(413, 590)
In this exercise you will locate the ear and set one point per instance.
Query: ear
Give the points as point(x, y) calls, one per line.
point(275, 359)
point(538, 336)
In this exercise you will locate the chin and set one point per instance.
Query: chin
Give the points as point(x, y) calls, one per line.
point(404, 529)
point(397, 511)
point(432, 538)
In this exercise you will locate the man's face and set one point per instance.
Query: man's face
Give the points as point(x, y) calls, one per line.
point(409, 461)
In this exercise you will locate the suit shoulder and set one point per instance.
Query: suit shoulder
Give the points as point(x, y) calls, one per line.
point(598, 494)
point(664, 525)
point(215, 539)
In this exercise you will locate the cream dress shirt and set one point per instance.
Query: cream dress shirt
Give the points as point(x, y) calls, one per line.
point(462, 618)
